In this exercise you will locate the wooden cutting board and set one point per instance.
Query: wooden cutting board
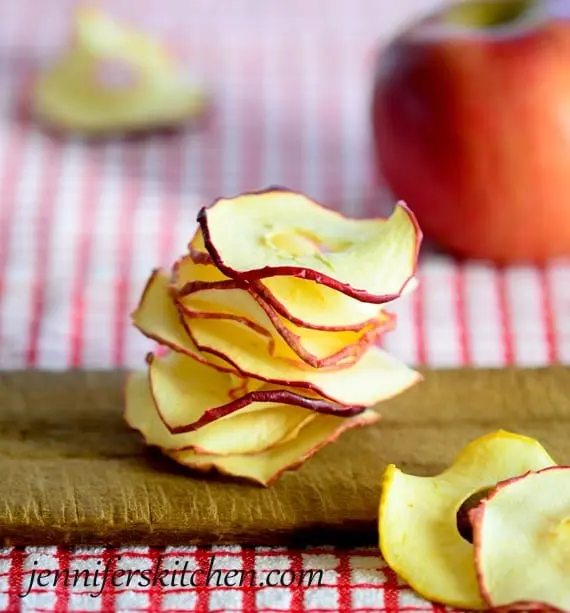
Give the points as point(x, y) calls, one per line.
point(71, 472)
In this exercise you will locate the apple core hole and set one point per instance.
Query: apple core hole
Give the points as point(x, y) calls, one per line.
point(485, 14)
point(116, 74)
point(294, 242)
point(462, 516)
point(298, 242)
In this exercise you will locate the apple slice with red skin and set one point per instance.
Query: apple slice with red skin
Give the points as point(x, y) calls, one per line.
point(189, 394)
point(248, 431)
point(157, 317)
point(520, 539)
point(419, 538)
point(285, 233)
point(186, 270)
point(266, 467)
point(146, 92)
point(317, 348)
point(197, 250)
point(300, 301)
point(158, 320)
point(377, 376)
point(342, 312)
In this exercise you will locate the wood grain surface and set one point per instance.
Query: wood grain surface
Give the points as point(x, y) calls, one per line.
point(72, 472)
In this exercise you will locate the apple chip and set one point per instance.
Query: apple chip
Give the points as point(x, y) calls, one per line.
point(114, 79)
point(318, 348)
point(520, 538)
point(187, 272)
point(197, 250)
point(376, 376)
point(300, 301)
point(322, 348)
point(280, 232)
point(312, 305)
point(243, 432)
point(419, 538)
point(266, 467)
point(158, 318)
point(189, 394)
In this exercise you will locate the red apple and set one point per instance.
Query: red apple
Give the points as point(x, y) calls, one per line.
point(471, 125)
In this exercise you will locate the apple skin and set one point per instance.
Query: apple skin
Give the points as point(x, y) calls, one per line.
point(472, 130)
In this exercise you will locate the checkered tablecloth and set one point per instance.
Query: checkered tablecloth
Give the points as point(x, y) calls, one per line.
point(81, 225)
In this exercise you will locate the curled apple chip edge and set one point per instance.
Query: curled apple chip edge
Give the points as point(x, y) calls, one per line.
point(266, 467)
point(59, 100)
point(520, 539)
point(342, 312)
point(196, 279)
point(371, 260)
point(156, 317)
point(189, 395)
point(197, 251)
point(317, 348)
point(186, 272)
point(375, 377)
point(244, 432)
point(322, 348)
point(281, 294)
point(417, 522)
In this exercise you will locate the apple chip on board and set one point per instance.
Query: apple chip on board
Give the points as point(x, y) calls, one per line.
point(512, 553)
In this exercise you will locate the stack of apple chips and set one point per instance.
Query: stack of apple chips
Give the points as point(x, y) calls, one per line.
point(269, 326)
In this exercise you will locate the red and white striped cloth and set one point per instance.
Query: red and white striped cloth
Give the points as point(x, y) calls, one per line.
point(81, 226)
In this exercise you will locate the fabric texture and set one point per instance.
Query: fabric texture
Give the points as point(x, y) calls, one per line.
point(82, 224)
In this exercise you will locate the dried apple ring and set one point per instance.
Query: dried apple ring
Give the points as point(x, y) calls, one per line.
point(521, 539)
point(283, 233)
point(246, 431)
point(189, 394)
point(419, 538)
point(296, 299)
point(267, 466)
point(317, 348)
point(375, 377)
point(114, 79)
point(157, 317)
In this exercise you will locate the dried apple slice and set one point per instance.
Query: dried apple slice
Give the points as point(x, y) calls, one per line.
point(197, 249)
point(114, 79)
point(266, 467)
point(189, 394)
point(285, 340)
point(280, 232)
point(419, 538)
point(375, 377)
point(186, 271)
point(321, 348)
point(300, 301)
point(303, 302)
point(244, 432)
point(157, 317)
point(520, 538)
